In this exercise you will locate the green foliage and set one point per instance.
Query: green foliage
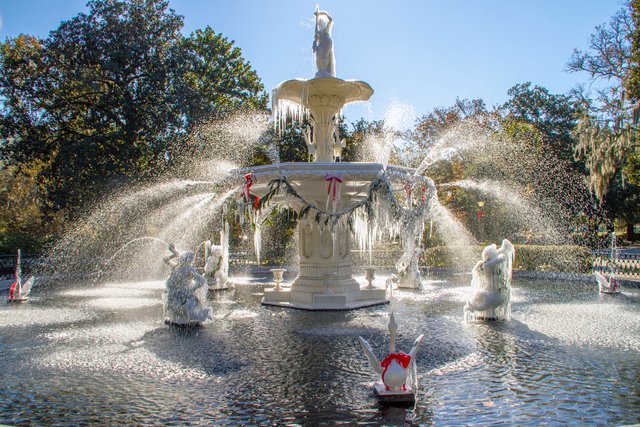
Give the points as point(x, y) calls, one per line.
point(608, 124)
point(552, 116)
point(575, 259)
point(108, 96)
point(633, 82)
point(214, 78)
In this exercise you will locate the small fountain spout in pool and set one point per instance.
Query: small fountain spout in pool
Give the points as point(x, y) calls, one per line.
point(491, 283)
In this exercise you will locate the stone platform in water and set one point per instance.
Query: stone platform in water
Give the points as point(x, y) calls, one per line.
point(400, 397)
point(324, 301)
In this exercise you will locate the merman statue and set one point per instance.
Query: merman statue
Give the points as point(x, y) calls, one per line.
point(185, 291)
point(491, 283)
point(214, 268)
point(394, 369)
point(408, 269)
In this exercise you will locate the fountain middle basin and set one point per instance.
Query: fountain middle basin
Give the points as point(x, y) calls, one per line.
point(333, 190)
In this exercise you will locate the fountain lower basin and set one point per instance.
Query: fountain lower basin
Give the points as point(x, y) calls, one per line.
point(81, 355)
point(325, 280)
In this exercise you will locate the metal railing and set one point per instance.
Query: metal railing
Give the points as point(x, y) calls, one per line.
point(625, 266)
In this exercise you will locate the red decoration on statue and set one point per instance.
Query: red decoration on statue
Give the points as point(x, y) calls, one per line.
point(401, 357)
point(12, 289)
point(248, 182)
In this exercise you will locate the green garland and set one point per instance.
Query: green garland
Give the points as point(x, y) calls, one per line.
point(379, 187)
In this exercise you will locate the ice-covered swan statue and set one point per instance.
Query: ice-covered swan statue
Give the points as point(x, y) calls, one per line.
point(491, 284)
point(394, 369)
point(323, 45)
point(185, 292)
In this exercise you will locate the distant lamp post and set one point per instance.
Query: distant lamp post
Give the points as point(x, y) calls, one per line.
point(481, 213)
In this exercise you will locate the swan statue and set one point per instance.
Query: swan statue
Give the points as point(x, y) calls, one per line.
point(607, 286)
point(18, 291)
point(394, 369)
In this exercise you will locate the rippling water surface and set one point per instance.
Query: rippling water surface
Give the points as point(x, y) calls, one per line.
point(77, 355)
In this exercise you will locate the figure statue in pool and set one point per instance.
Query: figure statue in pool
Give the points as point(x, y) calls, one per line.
point(214, 268)
point(186, 291)
point(491, 283)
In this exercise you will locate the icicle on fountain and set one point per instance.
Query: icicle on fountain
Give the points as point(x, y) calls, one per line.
point(333, 197)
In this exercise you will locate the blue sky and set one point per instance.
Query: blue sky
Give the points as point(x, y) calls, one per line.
point(416, 53)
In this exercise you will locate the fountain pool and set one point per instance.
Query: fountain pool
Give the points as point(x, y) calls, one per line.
point(79, 354)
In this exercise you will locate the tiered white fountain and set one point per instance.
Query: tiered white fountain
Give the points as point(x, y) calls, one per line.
point(333, 196)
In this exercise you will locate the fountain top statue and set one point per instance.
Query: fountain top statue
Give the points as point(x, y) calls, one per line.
point(323, 45)
point(321, 98)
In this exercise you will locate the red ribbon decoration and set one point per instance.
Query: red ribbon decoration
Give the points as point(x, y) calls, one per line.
point(12, 289)
point(402, 358)
point(248, 182)
point(408, 188)
point(333, 181)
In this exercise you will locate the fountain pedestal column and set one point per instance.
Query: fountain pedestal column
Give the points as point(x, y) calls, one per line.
point(325, 279)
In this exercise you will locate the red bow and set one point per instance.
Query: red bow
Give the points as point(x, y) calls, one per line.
point(12, 289)
point(248, 182)
point(333, 181)
point(402, 358)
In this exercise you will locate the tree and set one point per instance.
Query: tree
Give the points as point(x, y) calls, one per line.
point(606, 132)
point(552, 116)
point(215, 79)
point(109, 95)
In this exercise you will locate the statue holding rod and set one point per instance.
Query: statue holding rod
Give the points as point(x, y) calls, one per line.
point(323, 45)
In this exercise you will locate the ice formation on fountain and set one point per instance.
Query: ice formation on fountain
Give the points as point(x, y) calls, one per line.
point(491, 284)
point(186, 291)
point(394, 369)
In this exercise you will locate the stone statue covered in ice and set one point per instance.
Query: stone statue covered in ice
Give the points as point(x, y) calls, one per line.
point(323, 45)
point(215, 267)
point(186, 291)
point(408, 269)
point(491, 283)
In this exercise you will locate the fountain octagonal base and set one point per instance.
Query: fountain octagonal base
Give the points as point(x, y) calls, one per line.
point(325, 301)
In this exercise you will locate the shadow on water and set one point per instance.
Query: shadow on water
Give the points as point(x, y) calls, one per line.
point(195, 347)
